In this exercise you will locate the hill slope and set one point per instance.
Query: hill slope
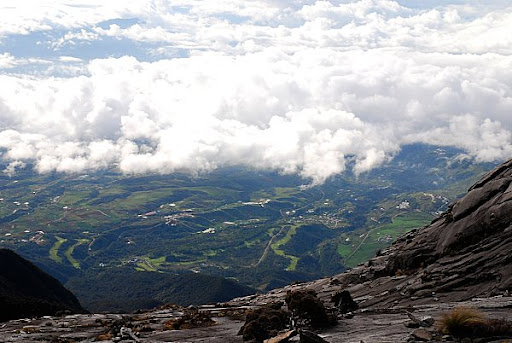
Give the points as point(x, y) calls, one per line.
point(465, 253)
point(126, 290)
point(25, 290)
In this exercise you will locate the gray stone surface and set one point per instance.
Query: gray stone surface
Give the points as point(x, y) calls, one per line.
point(422, 335)
point(367, 325)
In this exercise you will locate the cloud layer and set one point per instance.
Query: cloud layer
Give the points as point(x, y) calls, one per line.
point(301, 87)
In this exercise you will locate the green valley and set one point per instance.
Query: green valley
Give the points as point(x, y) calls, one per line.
point(262, 229)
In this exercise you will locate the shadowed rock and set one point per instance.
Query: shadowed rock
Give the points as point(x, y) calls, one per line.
point(343, 302)
point(27, 291)
point(310, 337)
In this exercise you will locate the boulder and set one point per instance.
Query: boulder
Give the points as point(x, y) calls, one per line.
point(422, 335)
point(425, 322)
point(310, 337)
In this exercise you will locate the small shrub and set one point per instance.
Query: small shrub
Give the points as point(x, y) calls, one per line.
point(307, 310)
point(463, 322)
point(189, 320)
point(263, 323)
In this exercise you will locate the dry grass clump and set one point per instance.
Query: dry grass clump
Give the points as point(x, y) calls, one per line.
point(469, 322)
point(461, 321)
point(190, 320)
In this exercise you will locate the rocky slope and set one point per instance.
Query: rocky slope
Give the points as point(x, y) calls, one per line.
point(25, 290)
point(151, 327)
point(465, 253)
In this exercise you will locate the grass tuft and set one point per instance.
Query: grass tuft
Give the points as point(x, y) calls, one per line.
point(469, 322)
point(461, 321)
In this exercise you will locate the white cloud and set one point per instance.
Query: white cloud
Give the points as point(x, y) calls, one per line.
point(70, 59)
point(70, 38)
point(10, 170)
point(334, 82)
point(7, 60)
point(485, 139)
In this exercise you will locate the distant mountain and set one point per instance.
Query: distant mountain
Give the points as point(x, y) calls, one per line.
point(27, 291)
point(463, 254)
point(125, 290)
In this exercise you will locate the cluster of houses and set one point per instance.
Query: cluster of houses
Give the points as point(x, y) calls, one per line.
point(261, 202)
point(173, 219)
point(38, 238)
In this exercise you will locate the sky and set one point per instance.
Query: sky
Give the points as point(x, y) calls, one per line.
point(300, 86)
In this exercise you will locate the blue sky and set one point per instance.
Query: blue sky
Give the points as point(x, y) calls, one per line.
point(297, 86)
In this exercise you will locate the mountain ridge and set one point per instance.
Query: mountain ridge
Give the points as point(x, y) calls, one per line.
point(26, 291)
